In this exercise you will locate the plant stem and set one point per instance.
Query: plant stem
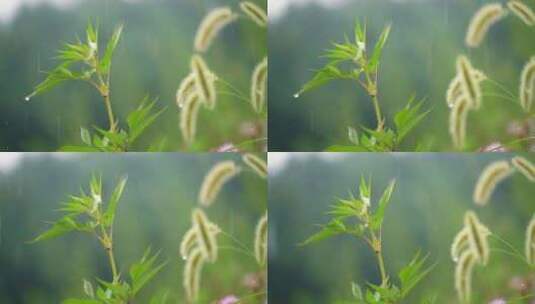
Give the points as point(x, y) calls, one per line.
point(113, 265)
point(378, 251)
point(107, 101)
point(381, 263)
point(378, 115)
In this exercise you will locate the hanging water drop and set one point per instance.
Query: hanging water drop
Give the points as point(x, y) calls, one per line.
point(27, 98)
point(296, 95)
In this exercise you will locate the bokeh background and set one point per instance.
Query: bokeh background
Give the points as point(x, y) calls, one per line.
point(433, 192)
point(419, 58)
point(151, 59)
point(154, 211)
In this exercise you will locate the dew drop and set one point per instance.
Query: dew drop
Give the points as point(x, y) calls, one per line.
point(184, 257)
point(296, 95)
point(27, 98)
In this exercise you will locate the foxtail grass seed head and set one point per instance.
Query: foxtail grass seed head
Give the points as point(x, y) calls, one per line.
point(455, 91)
point(459, 245)
point(522, 11)
point(256, 163)
point(463, 276)
point(189, 241)
point(525, 167)
point(261, 238)
point(185, 89)
point(492, 175)
point(204, 81)
point(192, 274)
point(214, 181)
point(206, 238)
point(259, 86)
point(188, 117)
point(477, 237)
point(211, 25)
point(457, 125)
point(470, 86)
point(253, 11)
point(527, 85)
point(482, 21)
point(530, 242)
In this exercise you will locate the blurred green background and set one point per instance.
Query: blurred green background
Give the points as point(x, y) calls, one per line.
point(419, 58)
point(433, 192)
point(152, 58)
point(154, 211)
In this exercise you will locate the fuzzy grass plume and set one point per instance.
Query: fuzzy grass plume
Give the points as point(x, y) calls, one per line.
point(192, 274)
point(527, 84)
point(530, 242)
point(214, 181)
point(189, 240)
point(260, 242)
point(185, 89)
point(206, 238)
point(256, 163)
point(254, 12)
point(259, 85)
point(211, 25)
point(522, 11)
point(477, 237)
point(482, 21)
point(188, 118)
point(470, 86)
point(492, 175)
point(204, 81)
point(455, 91)
point(463, 276)
point(525, 167)
point(457, 125)
point(460, 244)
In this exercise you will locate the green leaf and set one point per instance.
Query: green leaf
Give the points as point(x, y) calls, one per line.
point(346, 208)
point(109, 215)
point(378, 49)
point(160, 298)
point(78, 149)
point(376, 219)
point(105, 63)
point(144, 270)
point(342, 148)
point(92, 35)
point(365, 190)
point(54, 78)
point(353, 135)
point(408, 118)
point(86, 137)
point(334, 227)
point(356, 291)
point(413, 273)
point(141, 118)
point(61, 227)
point(323, 76)
point(81, 301)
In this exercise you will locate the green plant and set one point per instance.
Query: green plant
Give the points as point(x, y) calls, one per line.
point(200, 244)
point(471, 245)
point(364, 70)
point(87, 62)
point(200, 88)
point(466, 92)
point(355, 217)
point(87, 213)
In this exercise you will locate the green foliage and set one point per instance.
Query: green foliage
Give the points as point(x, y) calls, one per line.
point(120, 140)
point(367, 225)
point(86, 213)
point(83, 61)
point(364, 70)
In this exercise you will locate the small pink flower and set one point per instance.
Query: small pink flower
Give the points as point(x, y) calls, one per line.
point(498, 301)
point(231, 299)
